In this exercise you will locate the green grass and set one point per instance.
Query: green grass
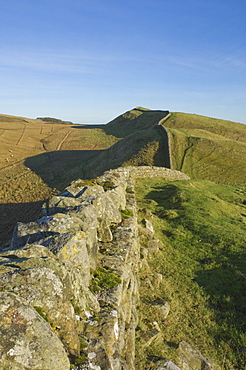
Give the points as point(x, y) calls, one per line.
point(98, 136)
point(202, 259)
point(104, 279)
point(202, 147)
point(41, 313)
point(208, 148)
point(126, 213)
point(227, 129)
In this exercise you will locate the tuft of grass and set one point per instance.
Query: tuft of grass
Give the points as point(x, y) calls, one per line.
point(202, 259)
point(126, 213)
point(104, 279)
point(41, 313)
point(107, 185)
point(79, 184)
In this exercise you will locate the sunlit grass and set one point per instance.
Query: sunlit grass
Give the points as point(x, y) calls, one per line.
point(208, 148)
point(202, 259)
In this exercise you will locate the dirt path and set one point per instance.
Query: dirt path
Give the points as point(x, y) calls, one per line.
point(62, 141)
point(190, 145)
point(22, 134)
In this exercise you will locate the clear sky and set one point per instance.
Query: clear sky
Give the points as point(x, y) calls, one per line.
point(91, 60)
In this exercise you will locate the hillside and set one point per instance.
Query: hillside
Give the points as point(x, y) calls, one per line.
point(208, 148)
point(201, 227)
point(38, 157)
point(143, 142)
point(143, 256)
point(203, 147)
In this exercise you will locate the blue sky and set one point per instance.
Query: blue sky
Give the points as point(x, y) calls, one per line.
point(91, 60)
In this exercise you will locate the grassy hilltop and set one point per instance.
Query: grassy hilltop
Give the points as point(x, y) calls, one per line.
point(201, 223)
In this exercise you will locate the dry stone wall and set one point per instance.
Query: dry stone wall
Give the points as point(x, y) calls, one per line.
point(68, 282)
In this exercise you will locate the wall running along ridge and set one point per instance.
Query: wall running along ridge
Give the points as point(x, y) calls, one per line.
point(68, 282)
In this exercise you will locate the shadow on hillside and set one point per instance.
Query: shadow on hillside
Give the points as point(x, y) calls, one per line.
point(89, 127)
point(225, 286)
point(57, 169)
point(167, 197)
point(108, 130)
point(11, 213)
point(125, 125)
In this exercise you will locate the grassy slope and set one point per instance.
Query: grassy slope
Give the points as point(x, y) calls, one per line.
point(202, 147)
point(142, 143)
point(208, 148)
point(202, 259)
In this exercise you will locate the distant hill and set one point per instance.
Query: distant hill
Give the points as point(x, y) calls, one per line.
point(53, 120)
point(134, 120)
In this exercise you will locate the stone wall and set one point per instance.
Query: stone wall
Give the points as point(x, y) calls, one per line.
point(68, 282)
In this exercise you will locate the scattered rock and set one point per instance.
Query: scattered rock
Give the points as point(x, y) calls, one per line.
point(161, 307)
point(166, 365)
point(153, 245)
point(148, 225)
point(192, 359)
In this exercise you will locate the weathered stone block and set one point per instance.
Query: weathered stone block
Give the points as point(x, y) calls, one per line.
point(26, 340)
point(42, 289)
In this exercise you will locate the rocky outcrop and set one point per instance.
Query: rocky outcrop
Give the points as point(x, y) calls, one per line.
point(68, 282)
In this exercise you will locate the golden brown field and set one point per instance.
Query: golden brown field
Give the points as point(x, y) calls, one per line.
point(36, 159)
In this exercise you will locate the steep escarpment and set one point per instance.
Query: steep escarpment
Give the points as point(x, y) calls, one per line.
point(69, 281)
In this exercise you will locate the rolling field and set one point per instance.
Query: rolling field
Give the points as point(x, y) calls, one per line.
point(38, 159)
